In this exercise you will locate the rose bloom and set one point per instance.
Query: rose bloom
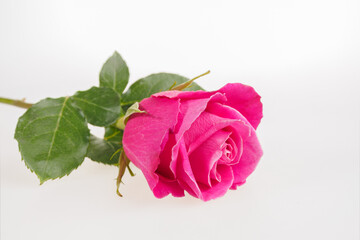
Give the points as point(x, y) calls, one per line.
point(201, 142)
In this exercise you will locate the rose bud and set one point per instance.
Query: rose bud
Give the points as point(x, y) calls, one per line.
point(200, 142)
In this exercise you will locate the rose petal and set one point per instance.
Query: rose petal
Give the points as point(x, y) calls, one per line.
point(184, 173)
point(190, 110)
point(251, 151)
point(250, 157)
point(145, 132)
point(203, 158)
point(244, 99)
point(163, 168)
point(219, 189)
point(214, 175)
point(226, 112)
point(232, 150)
point(186, 95)
point(164, 187)
point(203, 127)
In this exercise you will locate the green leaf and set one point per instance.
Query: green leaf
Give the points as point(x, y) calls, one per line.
point(145, 87)
point(106, 150)
point(101, 106)
point(103, 151)
point(113, 134)
point(115, 73)
point(53, 138)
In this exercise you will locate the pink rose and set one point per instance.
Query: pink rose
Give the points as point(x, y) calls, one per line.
point(201, 142)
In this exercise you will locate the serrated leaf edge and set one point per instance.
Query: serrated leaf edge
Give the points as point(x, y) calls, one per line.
point(43, 180)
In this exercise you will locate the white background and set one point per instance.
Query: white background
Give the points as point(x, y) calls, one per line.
point(303, 57)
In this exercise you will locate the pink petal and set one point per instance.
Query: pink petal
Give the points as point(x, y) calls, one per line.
point(232, 149)
point(219, 189)
point(250, 157)
point(164, 187)
point(203, 127)
point(190, 110)
point(185, 95)
point(204, 157)
point(145, 132)
point(244, 99)
point(184, 173)
point(251, 151)
point(163, 168)
point(243, 127)
point(239, 96)
point(214, 175)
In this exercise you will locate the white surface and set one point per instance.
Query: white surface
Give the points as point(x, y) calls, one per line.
point(303, 57)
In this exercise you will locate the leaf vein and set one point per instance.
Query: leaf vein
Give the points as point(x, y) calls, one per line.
point(54, 135)
point(41, 118)
point(91, 103)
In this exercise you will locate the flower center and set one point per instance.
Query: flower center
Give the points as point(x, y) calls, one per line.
point(229, 151)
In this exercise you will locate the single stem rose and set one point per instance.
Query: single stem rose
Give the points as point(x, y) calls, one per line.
point(17, 103)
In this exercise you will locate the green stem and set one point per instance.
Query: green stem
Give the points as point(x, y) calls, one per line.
point(17, 103)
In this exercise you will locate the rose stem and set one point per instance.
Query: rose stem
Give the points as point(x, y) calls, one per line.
point(17, 103)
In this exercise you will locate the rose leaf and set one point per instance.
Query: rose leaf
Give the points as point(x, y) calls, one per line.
point(101, 106)
point(114, 73)
point(113, 134)
point(53, 138)
point(103, 151)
